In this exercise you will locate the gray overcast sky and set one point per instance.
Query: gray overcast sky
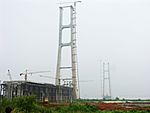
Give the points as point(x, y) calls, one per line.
point(107, 30)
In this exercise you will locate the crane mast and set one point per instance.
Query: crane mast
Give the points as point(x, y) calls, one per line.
point(9, 74)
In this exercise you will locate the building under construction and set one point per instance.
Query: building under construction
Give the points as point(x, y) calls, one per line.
point(50, 92)
point(43, 92)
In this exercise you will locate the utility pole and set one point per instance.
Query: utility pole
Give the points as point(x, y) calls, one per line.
point(72, 44)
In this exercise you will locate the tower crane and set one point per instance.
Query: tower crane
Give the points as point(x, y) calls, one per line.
point(26, 73)
point(66, 82)
point(61, 79)
point(47, 76)
point(9, 74)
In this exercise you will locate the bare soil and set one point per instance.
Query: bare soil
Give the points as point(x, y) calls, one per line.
point(122, 106)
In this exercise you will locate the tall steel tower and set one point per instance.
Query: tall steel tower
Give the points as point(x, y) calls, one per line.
point(73, 49)
point(106, 81)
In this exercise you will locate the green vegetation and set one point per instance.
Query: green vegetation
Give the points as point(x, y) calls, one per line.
point(28, 104)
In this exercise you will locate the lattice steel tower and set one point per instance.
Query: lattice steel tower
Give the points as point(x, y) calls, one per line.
point(106, 81)
point(71, 44)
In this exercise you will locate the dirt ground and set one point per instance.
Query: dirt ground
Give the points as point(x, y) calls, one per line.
point(109, 106)
point(123, 106)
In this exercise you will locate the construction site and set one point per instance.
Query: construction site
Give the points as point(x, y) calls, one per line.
point(64, 89)
point(43, 92)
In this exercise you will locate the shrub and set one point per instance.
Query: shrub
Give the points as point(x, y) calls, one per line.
point(77, 108)
point(5, 103)
point(25, 104)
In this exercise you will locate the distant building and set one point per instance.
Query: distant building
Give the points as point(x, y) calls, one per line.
point(43, 92)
